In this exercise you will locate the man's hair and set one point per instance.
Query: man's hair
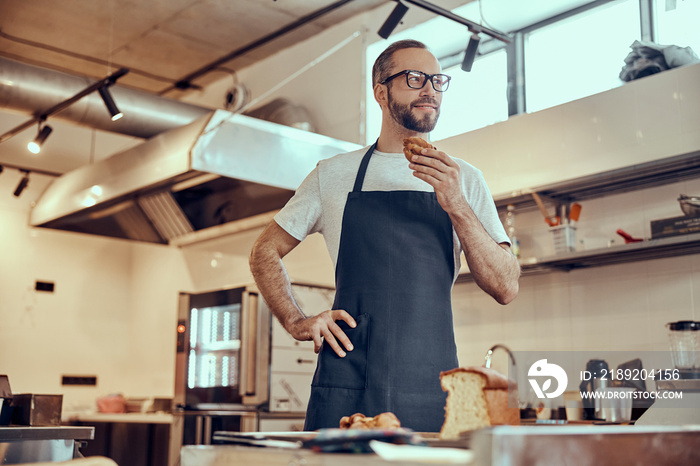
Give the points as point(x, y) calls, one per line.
point(384, 62)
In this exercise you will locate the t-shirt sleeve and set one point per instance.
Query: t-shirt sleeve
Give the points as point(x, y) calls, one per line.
point(301, 216)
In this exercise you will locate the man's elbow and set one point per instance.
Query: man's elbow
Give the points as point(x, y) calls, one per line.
point(509, 287)
point(508, 293)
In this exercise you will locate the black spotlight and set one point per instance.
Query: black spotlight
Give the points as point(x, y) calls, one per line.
point(470, 54)
point(35, 146)
point(393, 20)
point(109, 103)
point(22, 184)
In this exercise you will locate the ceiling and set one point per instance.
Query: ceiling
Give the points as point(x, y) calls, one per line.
point(160, 41)
point(170, 46)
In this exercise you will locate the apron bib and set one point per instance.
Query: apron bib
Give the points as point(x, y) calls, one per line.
point(394, 275)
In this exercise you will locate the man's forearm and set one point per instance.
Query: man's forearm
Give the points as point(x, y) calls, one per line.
point(494, 268)
point(273, 282)
point(271, 277)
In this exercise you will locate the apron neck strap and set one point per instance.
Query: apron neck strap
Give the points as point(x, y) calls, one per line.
point(360, 178)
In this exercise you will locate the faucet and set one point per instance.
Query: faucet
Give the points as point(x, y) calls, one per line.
point(489, 353)
point(513, 395)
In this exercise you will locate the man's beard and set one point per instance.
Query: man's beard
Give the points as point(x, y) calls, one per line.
point(402, 115)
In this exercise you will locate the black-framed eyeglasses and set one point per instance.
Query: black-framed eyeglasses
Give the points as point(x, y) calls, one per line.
point(417, 79)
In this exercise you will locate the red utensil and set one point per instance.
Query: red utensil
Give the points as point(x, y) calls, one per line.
point(574, 213)
point(552, 220)
point(628, 237)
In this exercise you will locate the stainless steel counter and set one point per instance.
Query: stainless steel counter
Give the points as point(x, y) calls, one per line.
point(140, 418)
point(34, 444)
point(586, 445)
point(17, 433)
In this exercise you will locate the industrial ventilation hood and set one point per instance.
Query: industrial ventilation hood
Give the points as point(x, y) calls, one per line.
point(188, 184)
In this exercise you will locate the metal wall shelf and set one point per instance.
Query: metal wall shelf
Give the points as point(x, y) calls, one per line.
point(627, 179)
point(644, 250)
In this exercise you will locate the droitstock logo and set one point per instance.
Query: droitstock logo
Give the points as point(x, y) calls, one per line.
point(541, 369)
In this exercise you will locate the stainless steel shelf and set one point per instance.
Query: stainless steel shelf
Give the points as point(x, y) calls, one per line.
point(644, 250)
point(627, 179)
point(631, 178)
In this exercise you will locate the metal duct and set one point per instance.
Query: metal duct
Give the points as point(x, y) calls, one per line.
point(199, 174)
point(284, 112)
point(31, 89)
point(187, 183)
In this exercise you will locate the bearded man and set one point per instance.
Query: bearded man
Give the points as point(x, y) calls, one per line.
point(395, 231)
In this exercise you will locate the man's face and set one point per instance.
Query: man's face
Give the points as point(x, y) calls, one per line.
point(414, 109)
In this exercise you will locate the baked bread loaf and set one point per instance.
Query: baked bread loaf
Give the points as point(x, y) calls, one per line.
point(476, 397)
point(413, 145)
point(360, 421)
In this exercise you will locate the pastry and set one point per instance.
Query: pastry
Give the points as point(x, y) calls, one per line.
point(414, 145)
point(360, 421)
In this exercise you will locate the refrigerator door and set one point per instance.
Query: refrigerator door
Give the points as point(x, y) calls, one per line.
point(222, 350)
point(255, 352)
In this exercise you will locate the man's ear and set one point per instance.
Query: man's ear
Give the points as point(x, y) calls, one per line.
point(380, 94)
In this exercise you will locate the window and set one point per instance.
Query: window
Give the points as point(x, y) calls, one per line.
point(475, 99)
point(677, 23)
point(579, 56)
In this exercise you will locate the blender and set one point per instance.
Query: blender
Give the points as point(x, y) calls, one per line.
point(684, 344)
point(598, 369)
point(684, 340)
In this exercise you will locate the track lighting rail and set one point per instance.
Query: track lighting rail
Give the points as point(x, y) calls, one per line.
point(472, 26)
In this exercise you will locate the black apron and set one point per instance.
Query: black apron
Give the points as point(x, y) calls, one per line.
point(394, 275)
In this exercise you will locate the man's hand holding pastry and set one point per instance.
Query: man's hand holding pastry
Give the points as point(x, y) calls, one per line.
point(438, 170)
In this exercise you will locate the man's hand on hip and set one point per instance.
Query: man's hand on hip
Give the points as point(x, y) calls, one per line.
point(322, 326)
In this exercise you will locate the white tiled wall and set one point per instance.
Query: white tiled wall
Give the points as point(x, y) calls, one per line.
point(622, 307)
point(610, 308)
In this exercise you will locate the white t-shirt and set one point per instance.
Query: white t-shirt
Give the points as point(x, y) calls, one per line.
point(319, 203)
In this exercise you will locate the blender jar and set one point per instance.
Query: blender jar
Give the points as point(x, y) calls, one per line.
point(684, 340)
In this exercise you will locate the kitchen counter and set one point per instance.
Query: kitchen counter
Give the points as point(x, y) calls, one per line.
point(512, 445)
point(133, 439)
point(18, 433)
point(211, 455)
point(141, 418)
point(586, 445)
point(24, 444)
